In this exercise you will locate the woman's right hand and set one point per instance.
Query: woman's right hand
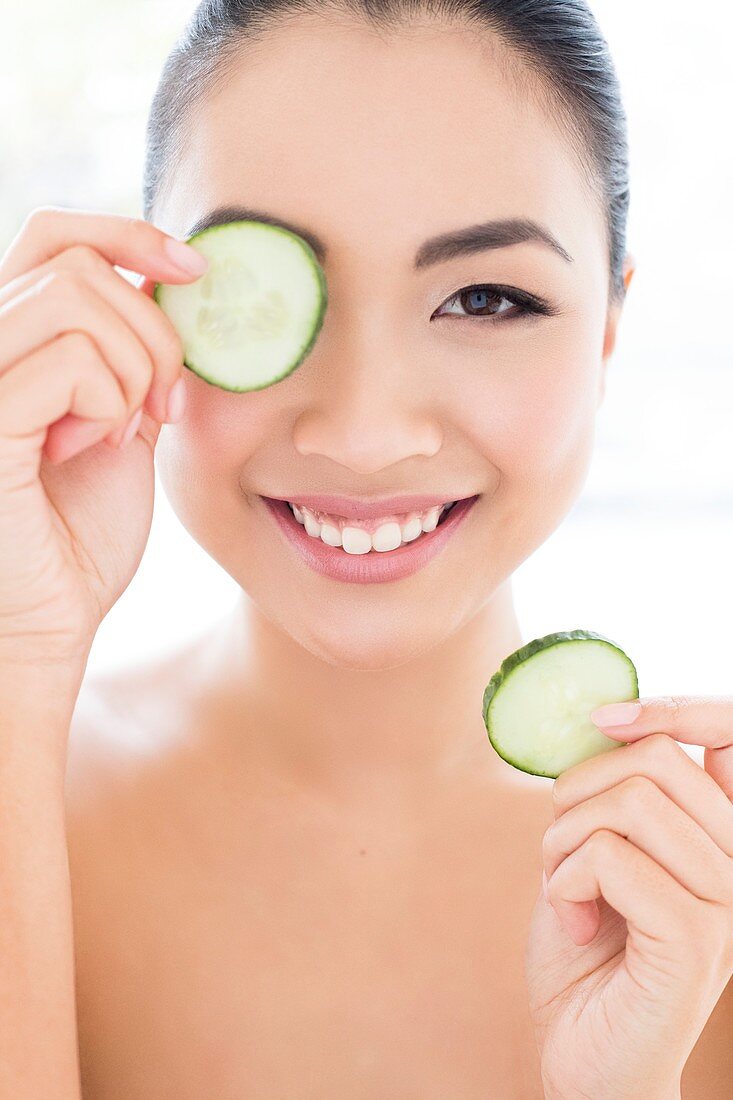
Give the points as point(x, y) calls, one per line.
point(81, 351)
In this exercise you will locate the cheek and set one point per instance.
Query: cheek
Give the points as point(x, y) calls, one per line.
point(221, 434)
point(532, 418)
point(221, 430)
point(202, 460)
point(551, 432)
point(532, 412)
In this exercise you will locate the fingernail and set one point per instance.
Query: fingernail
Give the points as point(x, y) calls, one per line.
point(544, 885)
point(176, 401)
point(185, 256)
point(131, 428)
point(616, 714)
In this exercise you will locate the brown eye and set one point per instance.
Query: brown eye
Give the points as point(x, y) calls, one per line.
point(480, 301)
point(486, 301)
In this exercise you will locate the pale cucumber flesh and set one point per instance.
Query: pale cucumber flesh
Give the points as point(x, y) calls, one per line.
point(255, 314)
point(536, 707)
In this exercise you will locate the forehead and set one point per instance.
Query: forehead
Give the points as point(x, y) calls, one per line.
point(381, 139)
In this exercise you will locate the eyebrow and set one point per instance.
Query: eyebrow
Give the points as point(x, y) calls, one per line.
point(447, 246)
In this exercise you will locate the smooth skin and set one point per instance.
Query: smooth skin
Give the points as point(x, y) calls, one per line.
point(297, 866)
point(82, 351)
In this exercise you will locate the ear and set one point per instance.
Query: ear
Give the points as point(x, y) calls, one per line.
point(614, 316)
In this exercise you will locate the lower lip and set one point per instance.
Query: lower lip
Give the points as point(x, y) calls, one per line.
point(391, 565)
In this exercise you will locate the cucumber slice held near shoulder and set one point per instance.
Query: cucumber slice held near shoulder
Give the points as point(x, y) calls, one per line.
point(255, 314)
point(537, 707)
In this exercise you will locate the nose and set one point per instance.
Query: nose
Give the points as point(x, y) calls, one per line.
point(367, 414)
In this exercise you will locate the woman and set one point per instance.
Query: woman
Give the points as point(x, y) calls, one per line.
point(295, 866)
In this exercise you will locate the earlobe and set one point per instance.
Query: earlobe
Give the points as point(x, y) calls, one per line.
point(629, 268)
point(609, 340)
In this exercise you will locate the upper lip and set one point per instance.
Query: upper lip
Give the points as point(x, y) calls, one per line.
point(369, 507)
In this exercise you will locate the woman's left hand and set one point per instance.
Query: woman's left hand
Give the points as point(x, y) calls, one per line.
point(633, 946)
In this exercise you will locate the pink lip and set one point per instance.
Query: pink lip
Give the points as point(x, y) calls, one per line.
point(393, 565)
point(370, 507)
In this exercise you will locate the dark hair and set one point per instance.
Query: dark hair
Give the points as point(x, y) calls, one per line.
point(558, 41)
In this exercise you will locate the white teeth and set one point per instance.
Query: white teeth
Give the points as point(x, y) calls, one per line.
point(355, 540)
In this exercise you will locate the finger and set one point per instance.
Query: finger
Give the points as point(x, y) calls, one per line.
point(659, 912)
point(638, 810)
point(71, 304)
point(66, 375)
point(132, 243)
point(693, 719)
point(659, 758)
point(72, 436)
point(147, 320)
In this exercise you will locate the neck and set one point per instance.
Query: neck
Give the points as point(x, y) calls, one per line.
point(341, 729)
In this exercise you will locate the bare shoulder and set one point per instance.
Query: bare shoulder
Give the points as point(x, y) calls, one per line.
point(124, 720)
point(108, 736)
point(123, 776)
point(124, 742)
point(105, 759)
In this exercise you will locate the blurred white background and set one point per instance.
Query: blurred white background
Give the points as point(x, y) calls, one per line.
point(644, 556)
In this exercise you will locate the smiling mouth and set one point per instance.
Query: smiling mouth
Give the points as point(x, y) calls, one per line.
point(360, 560)
point(369, 538)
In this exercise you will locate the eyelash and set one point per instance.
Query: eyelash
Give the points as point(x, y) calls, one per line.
point(526, 304)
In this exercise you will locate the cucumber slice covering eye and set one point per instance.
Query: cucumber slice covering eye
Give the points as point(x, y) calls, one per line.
point(255, 314)
point(536, 708)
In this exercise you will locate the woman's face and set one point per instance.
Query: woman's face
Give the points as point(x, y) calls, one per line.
point(376, 144)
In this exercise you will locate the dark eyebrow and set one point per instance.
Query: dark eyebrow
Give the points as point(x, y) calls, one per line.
point(436, 250)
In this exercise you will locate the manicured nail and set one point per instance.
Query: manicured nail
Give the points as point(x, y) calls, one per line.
point(616, 714)
point(131, 428)
point(176, 401)
point(185, 256)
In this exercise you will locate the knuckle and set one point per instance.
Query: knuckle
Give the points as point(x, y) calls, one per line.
point(639, 790)
point(39, 216)
point(84, 258)
point(660, 747)
point(78, 347)
point(601, 842)
point(63, 285)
